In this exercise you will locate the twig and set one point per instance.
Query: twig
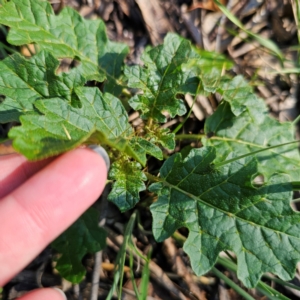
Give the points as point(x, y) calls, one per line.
point(96, 277)
point(189, 24)
point(76, 290)
point(98, 255)
point(39, 274)
point(180, 268)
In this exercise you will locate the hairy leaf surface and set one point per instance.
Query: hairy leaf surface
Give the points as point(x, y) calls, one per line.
point(60, 127)
point(142, 146)
point(129, 182)
point(223, 211)
point(23, 81)
point(66, 35)
point(81, 238)
point(162, 136)
point(242, 134)
point(239, 94)
point(162, 78)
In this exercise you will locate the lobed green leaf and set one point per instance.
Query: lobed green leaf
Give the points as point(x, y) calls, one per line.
point(59, 127)
point(81, 238)
point(23, 81)
point(162, 136)
point(239, 94)
point(66, 35)
point(242, 134)
point(129, 182)
point(236, 91)
point(162, 78)
point(142, 146)
point(223, 211)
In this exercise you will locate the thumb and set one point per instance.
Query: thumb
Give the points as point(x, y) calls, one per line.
point(45, 294)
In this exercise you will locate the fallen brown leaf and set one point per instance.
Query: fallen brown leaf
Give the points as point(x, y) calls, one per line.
point(208, 5)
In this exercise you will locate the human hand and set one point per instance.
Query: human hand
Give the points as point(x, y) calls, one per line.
point(38, 201)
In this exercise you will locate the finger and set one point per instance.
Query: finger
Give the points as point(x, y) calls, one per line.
point(45, 294)
point(45, 205)
point(15, 170)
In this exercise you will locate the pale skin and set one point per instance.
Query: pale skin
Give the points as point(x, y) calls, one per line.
point(38, 201)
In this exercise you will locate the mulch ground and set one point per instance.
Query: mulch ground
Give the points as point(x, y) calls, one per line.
point(140, 23)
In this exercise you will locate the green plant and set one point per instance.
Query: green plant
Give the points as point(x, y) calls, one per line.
point(209, 190)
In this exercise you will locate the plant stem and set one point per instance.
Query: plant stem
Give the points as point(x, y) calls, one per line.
point(230, 256)
point(120, 260)
point(284, 283)
point(10, 49)
point(295, 200)
point(179, 238)
point(227, 264)
point(189, 136)
point(296, 11)
point(296, 120)
point(232, 284)
point(151, 177)
point(261, 286)
point(190, 111)
point(296, 186)
point(252, 153)
point(135, 288)
point(270, 292)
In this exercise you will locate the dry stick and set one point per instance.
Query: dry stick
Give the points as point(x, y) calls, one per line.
point(192, 29)
point(76, 290)
point(98, 255)
point(96, 277)
point(180, 268)
point(154, 18)
point(39, 274)
point(115, 241)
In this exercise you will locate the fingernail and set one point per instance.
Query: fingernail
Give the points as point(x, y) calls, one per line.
point(102, 152)
point(61, 292)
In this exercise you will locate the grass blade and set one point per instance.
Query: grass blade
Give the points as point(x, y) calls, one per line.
point(264, 42)
point(281, 282)
point(135, 288)
point(232, 284)
point(145, 277)
point(261, 286)
point(120, 260)
point(252, 153)
point(270, 292)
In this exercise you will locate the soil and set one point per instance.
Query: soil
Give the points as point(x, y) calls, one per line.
point(140, 23)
